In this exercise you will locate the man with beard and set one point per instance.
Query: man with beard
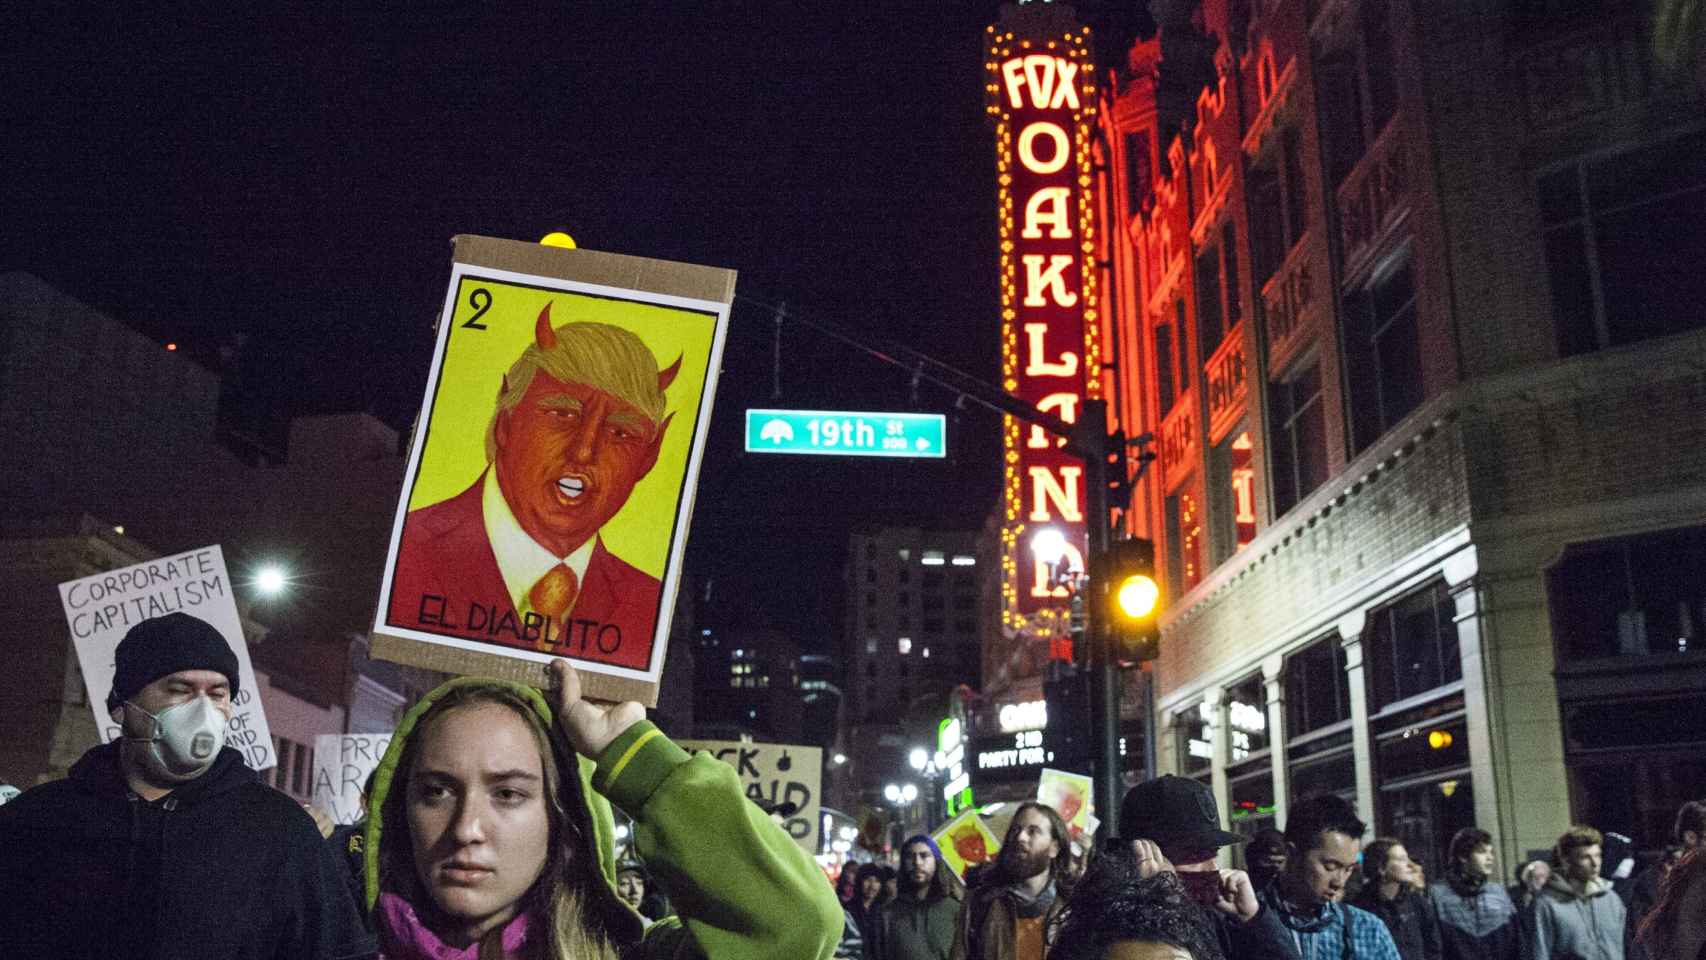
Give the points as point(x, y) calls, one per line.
point(1007, 917)
point(918, 924)
point(1476, 916)
point(1323, 836)
point(1171, 824)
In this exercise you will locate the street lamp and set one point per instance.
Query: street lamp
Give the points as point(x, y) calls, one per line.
point(271, 580)
point(919, 758)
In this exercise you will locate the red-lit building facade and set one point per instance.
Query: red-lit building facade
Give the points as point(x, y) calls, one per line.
point(1410, 296)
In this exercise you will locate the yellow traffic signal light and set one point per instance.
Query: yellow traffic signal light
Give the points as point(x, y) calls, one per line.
point(1138, 595)
point(1136, 599)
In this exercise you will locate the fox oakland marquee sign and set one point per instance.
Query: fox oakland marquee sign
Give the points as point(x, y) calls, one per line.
point(1041, 100)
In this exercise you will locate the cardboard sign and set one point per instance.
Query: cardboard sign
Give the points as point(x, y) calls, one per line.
point(776, 774)
point(101, 609)
point(1069, 795)
point(966, 842)
point(342, 762)
point(545, 509)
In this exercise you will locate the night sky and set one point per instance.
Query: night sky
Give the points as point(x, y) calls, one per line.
point(209, 170)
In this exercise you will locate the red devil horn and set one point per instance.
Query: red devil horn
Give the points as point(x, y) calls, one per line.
point(542, 332)
point(666, 376)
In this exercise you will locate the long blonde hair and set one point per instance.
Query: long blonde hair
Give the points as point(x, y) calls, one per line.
point(563, 898)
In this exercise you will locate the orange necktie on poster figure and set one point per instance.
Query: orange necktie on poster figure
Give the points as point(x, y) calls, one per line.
point(552, 597)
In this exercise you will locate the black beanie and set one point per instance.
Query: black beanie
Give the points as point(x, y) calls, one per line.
point(165, 645)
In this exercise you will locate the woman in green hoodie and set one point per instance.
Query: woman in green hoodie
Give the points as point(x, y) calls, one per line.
point(493, 837)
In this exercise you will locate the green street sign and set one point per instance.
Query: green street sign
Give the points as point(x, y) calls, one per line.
point(847, 433)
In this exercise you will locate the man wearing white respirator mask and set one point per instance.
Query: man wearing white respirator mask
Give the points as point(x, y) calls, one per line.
point(164, 843)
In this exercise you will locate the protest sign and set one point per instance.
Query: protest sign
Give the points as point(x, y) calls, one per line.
point(966, 842)
point(1069, 795)
point(775, 774)
point(342, 762)
point(544, 511)
point(101, 609)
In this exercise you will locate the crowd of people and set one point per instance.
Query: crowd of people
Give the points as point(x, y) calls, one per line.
point(489, 833)
point(1311, 892)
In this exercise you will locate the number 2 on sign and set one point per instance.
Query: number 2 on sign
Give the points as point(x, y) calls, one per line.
point(481, 300)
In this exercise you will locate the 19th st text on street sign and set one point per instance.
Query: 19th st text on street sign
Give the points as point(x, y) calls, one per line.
point(847, 433)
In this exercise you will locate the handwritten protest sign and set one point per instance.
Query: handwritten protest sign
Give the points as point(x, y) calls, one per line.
point(545, 508)
point(775, 774)
point(102, 608)
point(966, 842)
point(342, 762)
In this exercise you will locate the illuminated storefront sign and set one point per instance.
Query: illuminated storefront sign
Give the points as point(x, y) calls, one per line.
point(951, 760)
point(1041, 97)
point(1030, 715)
point(1009, 757)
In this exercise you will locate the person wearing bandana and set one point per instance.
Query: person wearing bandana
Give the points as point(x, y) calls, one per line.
point(164, 843)
point(1172, 825)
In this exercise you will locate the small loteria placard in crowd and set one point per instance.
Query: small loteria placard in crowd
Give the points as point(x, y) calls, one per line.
point(1069, 795)
point(551, 476)
point(775, 775)
point(342, 763)
point(966, 842)
point(101, 609)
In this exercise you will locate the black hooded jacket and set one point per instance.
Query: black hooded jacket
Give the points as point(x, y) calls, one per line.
point(223, 866)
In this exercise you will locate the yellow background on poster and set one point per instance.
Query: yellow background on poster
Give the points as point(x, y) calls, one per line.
point(965, 841)
point(475, 361)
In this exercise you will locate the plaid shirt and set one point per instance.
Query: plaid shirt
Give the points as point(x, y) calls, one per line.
point(1369, 939)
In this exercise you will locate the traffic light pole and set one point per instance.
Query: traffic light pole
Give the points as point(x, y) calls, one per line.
point(1091, 441)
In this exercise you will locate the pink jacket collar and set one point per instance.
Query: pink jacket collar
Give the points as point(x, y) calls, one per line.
point(410, 936)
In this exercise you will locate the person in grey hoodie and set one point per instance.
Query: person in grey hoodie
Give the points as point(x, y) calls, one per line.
point(1577, 915)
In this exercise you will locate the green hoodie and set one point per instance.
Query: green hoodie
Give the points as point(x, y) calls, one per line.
point(742, 888)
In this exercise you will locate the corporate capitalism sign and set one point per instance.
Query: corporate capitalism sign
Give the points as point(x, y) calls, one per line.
point(847, 433)
point(101, 609)
point(1042, 99)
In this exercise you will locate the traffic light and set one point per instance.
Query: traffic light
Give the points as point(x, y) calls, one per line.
point(1134, 601)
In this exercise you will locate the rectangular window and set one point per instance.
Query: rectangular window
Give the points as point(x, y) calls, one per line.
point(1181, 353)
point(1624, 245)
point(1635, 597)
point(1383, 360)
point(1165, 388)
point(1211, 323)
point(1195, 739)
point(1229, 274)
point(1339, 98)
point(1184, 542)
point(1247, 718)
point(1232, 495)
point(1136, 171)
point(1299, 441)
point(1278, 210)
point(1412, 646)
point(1316, 694)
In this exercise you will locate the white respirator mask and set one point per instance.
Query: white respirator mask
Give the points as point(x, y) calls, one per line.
point(185, 739)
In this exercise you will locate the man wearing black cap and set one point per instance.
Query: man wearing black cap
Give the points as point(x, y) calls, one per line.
point(163, 843)
point(1172, 824)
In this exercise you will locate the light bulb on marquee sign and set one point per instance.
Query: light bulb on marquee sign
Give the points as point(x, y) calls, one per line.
point(1042, 99)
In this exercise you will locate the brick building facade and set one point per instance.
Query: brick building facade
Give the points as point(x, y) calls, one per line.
point(1405, 293)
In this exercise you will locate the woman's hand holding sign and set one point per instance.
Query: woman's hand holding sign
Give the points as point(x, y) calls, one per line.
point(590, 727)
